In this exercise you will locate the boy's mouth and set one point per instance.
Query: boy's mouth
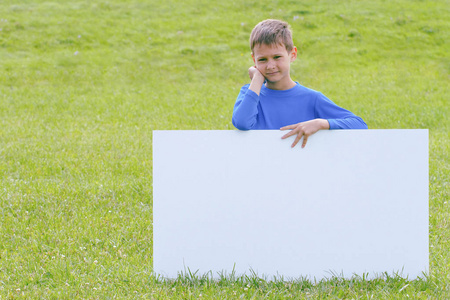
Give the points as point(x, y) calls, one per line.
point(271, 73)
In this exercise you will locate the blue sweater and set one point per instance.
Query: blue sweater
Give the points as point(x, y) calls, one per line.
point(273, 109)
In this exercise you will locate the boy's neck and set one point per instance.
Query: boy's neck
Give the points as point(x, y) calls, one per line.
point(288, 84)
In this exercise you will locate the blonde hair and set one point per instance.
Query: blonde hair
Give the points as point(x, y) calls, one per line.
point(272, 32)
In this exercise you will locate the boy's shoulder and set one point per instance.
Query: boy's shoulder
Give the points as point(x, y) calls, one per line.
point(304, 89)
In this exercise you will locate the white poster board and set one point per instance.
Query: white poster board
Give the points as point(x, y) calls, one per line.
point(351, 202)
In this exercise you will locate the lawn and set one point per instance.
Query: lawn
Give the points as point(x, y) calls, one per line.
point(84, 83)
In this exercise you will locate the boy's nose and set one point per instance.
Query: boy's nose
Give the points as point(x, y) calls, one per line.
point(270, 65)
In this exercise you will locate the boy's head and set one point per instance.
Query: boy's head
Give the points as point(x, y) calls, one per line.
point(272, 32)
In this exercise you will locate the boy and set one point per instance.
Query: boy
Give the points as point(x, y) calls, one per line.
point(274, 101)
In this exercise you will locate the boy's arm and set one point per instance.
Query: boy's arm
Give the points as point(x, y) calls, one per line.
point(337, 117)
point(257, 80)
point(246, 108)
point(328, 116)
point(305, 129)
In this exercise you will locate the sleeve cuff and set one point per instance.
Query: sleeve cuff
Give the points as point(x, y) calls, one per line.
point(333, 124)
point(252, 95)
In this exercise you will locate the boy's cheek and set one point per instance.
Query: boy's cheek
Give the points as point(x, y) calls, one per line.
point(259, 67)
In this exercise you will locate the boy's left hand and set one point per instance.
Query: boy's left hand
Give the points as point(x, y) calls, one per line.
point(305, 129)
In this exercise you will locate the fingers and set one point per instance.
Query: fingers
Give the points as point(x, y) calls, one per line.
point(305, 139)
point(301, 130)
point(254, 71)
point(296, 130)
point(289, 127)
point(251, 71)
point(292, 132)
point(297, 139)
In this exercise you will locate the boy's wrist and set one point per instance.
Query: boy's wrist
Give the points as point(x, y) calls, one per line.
point(324, 124)
point(258, 78)
point(257, 82)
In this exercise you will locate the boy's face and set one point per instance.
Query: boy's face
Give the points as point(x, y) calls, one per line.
point(273, 61)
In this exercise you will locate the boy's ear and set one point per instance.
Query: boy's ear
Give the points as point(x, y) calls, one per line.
point(293, 54)
point(253, 58)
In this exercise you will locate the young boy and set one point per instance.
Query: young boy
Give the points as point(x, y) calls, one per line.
point(274, 101)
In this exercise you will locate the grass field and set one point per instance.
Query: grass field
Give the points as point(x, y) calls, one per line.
point(84, 83)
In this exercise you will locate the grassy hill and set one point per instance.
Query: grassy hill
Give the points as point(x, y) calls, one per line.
point(84, 83)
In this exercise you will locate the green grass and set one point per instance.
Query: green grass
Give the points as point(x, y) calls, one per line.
point(84, 83)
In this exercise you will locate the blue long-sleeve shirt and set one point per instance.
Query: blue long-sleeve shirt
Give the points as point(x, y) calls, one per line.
point(273, 109)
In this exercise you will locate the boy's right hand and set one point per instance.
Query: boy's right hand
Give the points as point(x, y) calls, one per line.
point(257, 79)
point(252, 71)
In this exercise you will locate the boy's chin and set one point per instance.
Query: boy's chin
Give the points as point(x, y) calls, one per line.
point(275, 78)
point(273, 81)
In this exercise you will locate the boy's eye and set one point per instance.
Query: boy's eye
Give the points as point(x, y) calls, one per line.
point(276, 57)
point(262, 59)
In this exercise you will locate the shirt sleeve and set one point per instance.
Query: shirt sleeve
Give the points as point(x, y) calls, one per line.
point(245, 110)
point(338, 117)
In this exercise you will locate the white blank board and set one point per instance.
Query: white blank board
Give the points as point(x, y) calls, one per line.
point(352, 202)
